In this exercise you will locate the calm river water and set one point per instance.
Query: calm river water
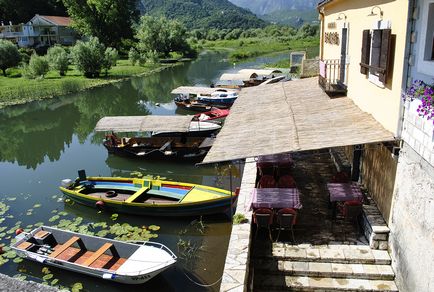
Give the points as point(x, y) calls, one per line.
point(44, 142)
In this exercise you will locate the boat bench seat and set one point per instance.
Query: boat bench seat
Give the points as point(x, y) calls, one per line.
point(64, 246)
point(41, 234)
point(99, 253)
point(25, 245)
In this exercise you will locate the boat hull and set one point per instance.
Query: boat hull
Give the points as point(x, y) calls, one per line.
point(224, 206)
point(151, 197)
point(42, 249)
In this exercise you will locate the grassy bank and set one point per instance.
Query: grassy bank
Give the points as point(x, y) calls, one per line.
point(245, 48)
point(15, 89)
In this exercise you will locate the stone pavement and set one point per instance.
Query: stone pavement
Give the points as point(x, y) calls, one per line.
point(9, 284)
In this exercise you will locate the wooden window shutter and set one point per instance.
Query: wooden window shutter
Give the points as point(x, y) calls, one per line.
point(366, 48)
point(386, 37)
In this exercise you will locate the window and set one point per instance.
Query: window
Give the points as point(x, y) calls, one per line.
point(429, 39)
point(425, 55)
point(376, 53)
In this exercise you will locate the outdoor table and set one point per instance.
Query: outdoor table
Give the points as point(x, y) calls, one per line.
point(341, 192)
point(275, 198)
point(268, 163)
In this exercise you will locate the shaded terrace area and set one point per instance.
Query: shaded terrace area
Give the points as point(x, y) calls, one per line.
point(294, 117)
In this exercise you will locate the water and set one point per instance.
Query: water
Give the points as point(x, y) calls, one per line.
point(44, 142)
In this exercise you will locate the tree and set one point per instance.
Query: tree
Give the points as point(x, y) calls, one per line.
point(161, 35)
point(9, 55)
point(58, 58)
point(89, 57)
point(108, 20)
point(38, 67)
point(21, 11)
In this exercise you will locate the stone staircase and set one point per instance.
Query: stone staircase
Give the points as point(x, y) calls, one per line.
point(322, 268)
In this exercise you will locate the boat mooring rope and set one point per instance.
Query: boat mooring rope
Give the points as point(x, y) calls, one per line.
point(202, 285)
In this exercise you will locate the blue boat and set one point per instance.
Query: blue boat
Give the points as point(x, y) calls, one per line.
point(218, 97)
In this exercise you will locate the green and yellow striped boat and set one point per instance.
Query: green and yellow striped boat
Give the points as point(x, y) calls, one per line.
point(149, 196)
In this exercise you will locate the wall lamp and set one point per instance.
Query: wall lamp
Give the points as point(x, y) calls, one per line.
point(374, 14)
point(340, 18)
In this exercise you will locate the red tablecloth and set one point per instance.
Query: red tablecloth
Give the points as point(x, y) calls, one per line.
point(344, 192)
point(276, 198)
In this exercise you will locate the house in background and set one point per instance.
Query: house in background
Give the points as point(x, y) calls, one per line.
point(41, 30)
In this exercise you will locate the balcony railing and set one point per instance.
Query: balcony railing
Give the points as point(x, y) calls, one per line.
point(333, 77)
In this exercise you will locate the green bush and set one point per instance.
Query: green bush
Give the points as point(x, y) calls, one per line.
point(9, 55)
point(58, 58)
point(25, 54)
point(37, 68)
point(89, 57)
point(110, 58)
point(133, 56)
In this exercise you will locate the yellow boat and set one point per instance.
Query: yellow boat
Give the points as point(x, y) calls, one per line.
point(148, 196)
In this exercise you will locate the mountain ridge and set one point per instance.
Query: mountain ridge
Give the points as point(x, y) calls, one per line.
point(263, 7)
point(203, 13)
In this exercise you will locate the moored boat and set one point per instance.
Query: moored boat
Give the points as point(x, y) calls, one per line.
point(179, 148)
point(177, 143)
point(214, 115)
point(198, 106)
point(109, 259)
point(148, 196)
point(197, 129)
point(218, 98)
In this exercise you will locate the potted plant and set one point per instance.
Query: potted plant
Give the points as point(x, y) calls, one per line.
point(425, 93)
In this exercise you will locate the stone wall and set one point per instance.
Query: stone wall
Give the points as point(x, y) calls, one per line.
point(309, 68)
point(412, 223)
point(378, 176)
point(412, 220)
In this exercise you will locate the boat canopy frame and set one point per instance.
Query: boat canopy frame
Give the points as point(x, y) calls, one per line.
point(144, 123)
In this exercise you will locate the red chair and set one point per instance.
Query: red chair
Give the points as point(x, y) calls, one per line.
point(263, 218)
point(266, 181)
point(286, 219)
point(340, 177)
point(350, 211)
point(286, 181)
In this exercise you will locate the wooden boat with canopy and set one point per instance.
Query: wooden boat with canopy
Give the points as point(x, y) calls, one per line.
point(109, 259)
point(148, 196)
point(173, 143)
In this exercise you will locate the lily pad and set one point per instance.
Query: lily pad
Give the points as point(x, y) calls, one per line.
point(47, 277)
point(10, 254)
point(154, 227)
point(11, 199)
point(18, 260)
point(45, 270)
point(114, 216)
point(77, 287)
point(20, 277)
point(54, 218)
point(37, 206)
point(54, 282)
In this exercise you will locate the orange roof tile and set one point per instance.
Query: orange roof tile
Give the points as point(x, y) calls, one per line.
point(58, 20)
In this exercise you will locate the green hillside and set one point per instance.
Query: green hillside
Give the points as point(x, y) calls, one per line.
point(294, 18)
point(203, 13)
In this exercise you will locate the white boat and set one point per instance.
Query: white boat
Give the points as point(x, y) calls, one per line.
point(196, 129)
point(218, 97)
point(109, 259)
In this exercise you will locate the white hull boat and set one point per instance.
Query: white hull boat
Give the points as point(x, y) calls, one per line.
point(114, 260)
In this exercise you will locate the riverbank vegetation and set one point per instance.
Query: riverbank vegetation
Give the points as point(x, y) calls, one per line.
point(255, 42)
point(17, 90)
